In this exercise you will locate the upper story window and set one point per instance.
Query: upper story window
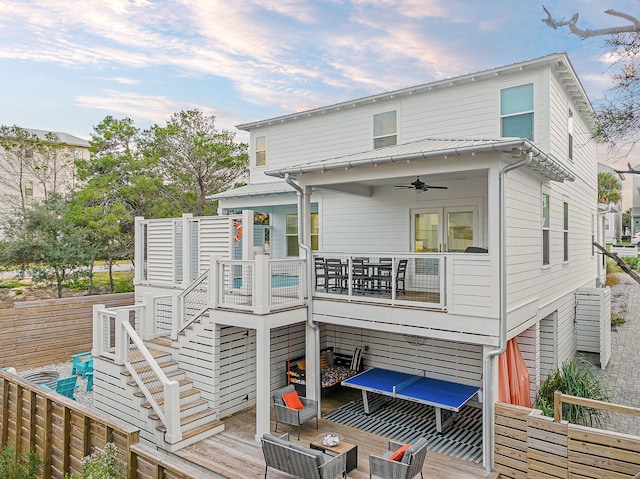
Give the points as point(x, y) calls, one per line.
point(516, 111)
point(385, 129)
point(28, 188)
point(77, 154)
point(261, 150)
point(546, 232)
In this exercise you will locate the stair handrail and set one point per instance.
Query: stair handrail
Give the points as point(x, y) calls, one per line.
point(185, 319)
point(170, 414)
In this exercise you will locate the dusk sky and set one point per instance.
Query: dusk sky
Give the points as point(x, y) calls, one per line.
point(66, 64)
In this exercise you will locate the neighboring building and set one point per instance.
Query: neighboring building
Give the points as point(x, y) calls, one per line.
point(38, 163)
point(612, 212)
point(513, 147)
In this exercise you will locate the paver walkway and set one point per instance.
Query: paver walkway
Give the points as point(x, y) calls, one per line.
point(622, 375)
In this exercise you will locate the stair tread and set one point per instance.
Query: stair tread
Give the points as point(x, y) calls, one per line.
point(169, 374)
point(183, 395)
point(186, 421)
point(191, 404)
point(145, 368)
point(181, 382)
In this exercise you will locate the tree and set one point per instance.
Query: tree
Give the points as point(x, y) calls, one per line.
point(47, 243)
point(618, 113)
point(196, 158)
point(609, 188)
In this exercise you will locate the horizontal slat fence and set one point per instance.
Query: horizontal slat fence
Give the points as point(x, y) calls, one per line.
point(63, 432)
point(530, 445)
point(38, 333)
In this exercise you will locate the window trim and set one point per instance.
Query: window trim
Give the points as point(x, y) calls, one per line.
point(28, 188)
point(570, 135)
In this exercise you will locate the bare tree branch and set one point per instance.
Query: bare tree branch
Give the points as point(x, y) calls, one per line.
point(587, 33)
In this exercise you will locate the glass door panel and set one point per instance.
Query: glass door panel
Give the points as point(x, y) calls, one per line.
point(460, 225)
point(427, 239)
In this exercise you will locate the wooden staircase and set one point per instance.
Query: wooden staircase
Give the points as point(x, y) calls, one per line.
point(197, 420)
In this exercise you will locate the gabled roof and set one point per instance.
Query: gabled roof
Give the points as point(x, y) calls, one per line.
point(431, 148)
point(559, 61)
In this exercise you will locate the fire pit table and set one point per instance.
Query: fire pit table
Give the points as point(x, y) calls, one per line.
point(44, 378)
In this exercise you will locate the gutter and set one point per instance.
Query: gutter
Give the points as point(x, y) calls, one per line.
point(309, 275)
point(489, 402)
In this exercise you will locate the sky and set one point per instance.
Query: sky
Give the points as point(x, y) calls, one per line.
point(67, 64)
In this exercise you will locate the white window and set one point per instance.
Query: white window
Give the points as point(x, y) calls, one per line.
point(516, 111)
point(545, 229)
point(28, 188)
point(385, 129)
point(292, 234)
point(565, 232)
point(261, 150)
point(77, 154)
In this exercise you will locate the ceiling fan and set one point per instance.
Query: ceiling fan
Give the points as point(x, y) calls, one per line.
point(421, 186)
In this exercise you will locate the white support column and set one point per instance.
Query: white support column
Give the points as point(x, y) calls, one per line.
point(312, 359)
point(490, 390)
point(214, 284)
point(122, 316)
point(247, 234)
point(261, 285)
point(147, 318)
point(172, 412)
point(263, 381)
point(98, 332)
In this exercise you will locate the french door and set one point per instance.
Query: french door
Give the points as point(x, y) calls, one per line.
point(440, 230)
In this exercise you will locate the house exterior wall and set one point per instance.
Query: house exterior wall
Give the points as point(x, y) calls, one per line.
point(461, 110)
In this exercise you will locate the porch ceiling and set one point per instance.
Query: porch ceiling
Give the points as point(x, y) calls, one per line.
point(541, 163)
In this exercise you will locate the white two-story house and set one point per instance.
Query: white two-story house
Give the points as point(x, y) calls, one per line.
point(472, 200)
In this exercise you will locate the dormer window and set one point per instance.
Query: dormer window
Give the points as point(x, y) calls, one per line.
point(516, 111)
point(385, 129)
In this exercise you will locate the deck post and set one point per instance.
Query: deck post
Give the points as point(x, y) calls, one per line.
point(122, 316)
point(262, 285)
point(147, 318)
point(98, 333)
point(263, 380)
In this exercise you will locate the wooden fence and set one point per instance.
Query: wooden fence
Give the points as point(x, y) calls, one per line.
point(63, 432)
point(37, 333)
point(530, 445)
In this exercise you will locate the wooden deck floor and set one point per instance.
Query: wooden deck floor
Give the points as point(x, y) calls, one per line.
point(234, 454)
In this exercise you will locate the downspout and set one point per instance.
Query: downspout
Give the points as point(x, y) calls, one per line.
point(502, 292)
point(309, 274)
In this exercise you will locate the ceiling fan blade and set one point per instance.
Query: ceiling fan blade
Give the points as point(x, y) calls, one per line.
point(429, 187)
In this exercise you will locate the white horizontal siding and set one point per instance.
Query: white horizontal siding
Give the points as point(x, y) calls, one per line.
point(236, 370)
point(287, 343)
point(529, 345)
point(548, 345)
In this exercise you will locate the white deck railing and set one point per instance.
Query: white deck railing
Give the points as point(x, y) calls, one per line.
point(117, 336)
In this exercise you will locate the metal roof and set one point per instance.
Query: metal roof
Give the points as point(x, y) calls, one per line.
point(433, 147)
point(65, 138)
point(256, 189)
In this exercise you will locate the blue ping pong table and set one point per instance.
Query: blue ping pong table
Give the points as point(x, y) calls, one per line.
point(411, 387)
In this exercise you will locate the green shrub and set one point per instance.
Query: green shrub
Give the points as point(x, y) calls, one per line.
point(10, 284)
point(24, 466)
point(617, 320)
point(578, 380)
point(101, 465)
